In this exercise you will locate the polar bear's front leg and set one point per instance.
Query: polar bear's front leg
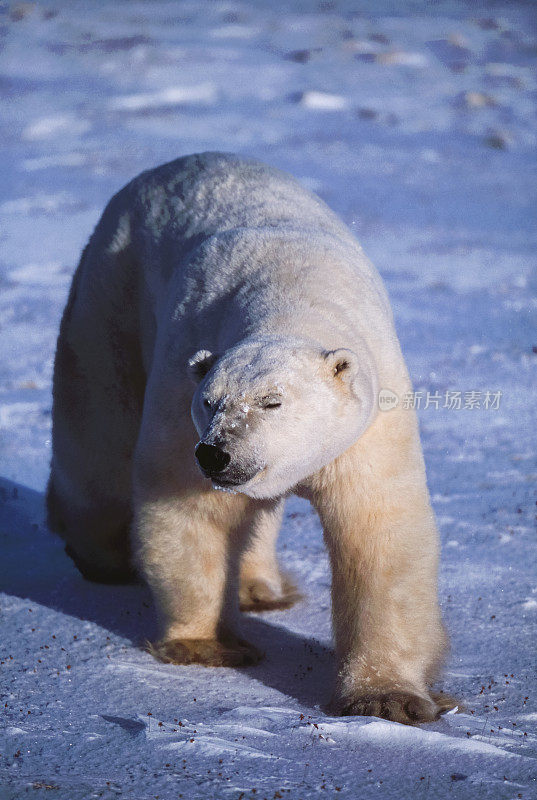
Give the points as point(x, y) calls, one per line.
point(263, 586)
point(382, 539)
point(188, 549)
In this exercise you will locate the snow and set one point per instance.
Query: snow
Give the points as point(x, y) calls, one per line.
point(172, 96)
point(323, 101)
point(416, 122)
point(49, 127)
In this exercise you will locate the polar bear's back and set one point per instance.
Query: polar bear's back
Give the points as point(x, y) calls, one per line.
point(210, 228)
point(208, 193)
point(176, 207)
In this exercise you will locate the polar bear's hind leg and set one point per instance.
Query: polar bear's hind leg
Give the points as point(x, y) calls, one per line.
point(98, 393)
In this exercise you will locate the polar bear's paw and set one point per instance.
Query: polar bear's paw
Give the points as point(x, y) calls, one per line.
point(230, 652)
point(396, 705)
point(261, 594)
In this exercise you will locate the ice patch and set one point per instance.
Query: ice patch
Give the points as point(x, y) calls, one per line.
point(530, 604)
point(234, 32)
point(506, 477)
point(477, 349)
point(242, 711)
point(392, 733)
point(47, 203)
point(17, 414)
point(323, 101)
point(430, 155)
point(159, 672)
point(265, 719)
point(60, 160)
point(47, 127)
point(215, 739)
point(444, 498)
point(402, 59)
point(172, 96)
point(51, 272)
point(213, 745)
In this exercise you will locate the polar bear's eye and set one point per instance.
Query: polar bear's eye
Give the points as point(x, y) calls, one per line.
point(207, 403)
point(270, 402)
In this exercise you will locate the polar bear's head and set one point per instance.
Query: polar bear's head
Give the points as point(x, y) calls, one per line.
point(270, 413)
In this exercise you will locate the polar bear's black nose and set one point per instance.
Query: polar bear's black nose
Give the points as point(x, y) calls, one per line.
point(212, 459)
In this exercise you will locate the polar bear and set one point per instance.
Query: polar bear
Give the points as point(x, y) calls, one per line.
point(223, 345)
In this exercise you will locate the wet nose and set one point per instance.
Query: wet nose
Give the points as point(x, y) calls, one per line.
point(211, 458)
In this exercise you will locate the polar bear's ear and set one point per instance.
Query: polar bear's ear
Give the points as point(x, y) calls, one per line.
point(342, 363)
point(199, 364)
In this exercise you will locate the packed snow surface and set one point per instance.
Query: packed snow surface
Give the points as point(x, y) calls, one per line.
point(416, 122)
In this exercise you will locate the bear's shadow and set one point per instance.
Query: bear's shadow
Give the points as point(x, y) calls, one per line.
point(36, 568)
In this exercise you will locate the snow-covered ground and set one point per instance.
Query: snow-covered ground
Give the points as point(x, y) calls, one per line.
point(416, 122)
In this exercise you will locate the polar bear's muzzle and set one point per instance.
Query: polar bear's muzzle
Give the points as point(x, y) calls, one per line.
point(216, 464)
point(212, 459)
